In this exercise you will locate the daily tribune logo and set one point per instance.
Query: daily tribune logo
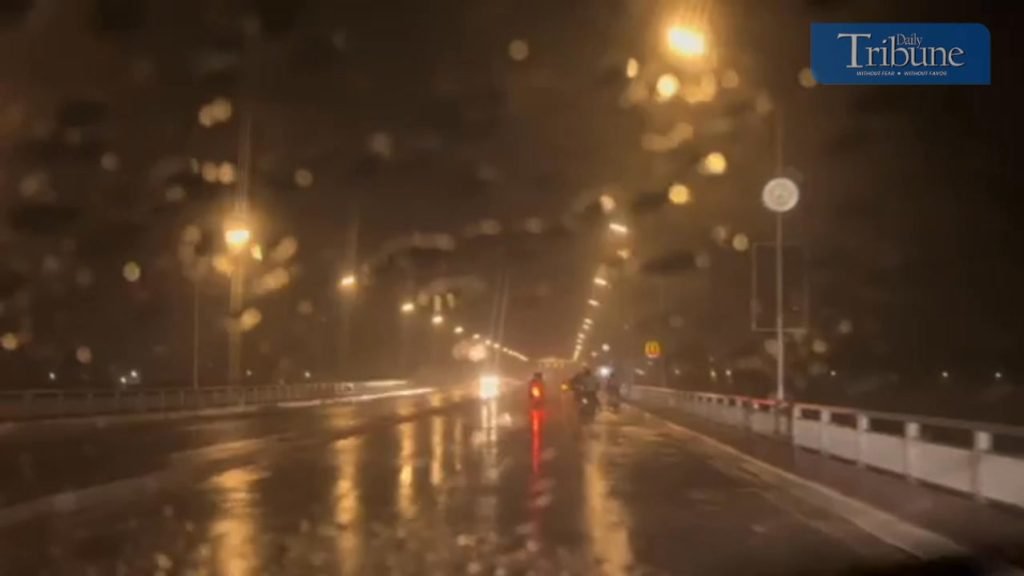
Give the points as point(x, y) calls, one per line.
point(900, 53)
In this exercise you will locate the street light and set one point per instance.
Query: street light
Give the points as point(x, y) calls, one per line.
point(687, 42)
point(437, 319)
point(600, 281)
point(237, 236)
point(458, 330)
point(593, 303)
point(408, 307)
point(347, 282)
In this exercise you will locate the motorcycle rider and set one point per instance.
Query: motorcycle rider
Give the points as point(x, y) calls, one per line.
point(586, 386)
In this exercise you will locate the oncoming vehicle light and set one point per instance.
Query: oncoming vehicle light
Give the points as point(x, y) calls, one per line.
point(490, 385)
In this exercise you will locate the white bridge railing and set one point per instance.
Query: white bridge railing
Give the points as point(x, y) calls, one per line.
point(41, 404)
point(982, 459)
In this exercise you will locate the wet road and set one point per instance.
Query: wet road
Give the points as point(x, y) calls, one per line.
point(478, 487)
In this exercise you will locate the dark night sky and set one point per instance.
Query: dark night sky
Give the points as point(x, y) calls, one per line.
point(412, 117)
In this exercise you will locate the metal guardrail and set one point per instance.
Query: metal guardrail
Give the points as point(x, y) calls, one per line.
point(982, 459)
point(39, 404)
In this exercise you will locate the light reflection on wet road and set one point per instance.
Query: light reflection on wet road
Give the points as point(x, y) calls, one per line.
point(478, 487)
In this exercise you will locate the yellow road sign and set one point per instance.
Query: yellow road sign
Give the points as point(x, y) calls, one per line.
point(652, 349)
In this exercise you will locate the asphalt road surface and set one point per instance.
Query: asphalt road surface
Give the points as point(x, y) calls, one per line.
point(429, 484)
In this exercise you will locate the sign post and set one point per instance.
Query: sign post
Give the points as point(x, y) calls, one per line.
point(780, 195)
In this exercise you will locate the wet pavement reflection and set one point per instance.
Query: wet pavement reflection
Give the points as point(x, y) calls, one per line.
point(485, 487)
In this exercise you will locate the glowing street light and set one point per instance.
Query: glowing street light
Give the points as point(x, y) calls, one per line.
point(458, 330)
point(437, 319)
point(407, 307)
point(687, 42)
point(237, 236)
point(600, 281)
point(347, 282)
point(588, 321)
point(593, 303)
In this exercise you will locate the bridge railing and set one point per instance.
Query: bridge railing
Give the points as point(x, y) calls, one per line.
point(982, 459)
point(41, 404)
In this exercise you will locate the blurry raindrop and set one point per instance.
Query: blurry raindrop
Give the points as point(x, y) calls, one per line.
point(713, 164)
point(51, 264)
point(226, 173)
point(110, 162)
point(806, 78)
point(223, 265)
point(679, 194)
point(654, 142)
point(632, 68)
point(490, 227)
point(534, 225)
point(518, 50)
point(607, 203)
point(763, 104)
point(819, 346)
point(729, 79)
point(131, 271)
point(9, 341)
point(666, 87)
point(486, 172)
point(305, 307)
point(272, 281)
point(703, 260)
point(250, 318)
point(740, 242)
point(703, 90)
point(83, 354)
point(381, 144)
point(191, 234)
point(205, 116)
point(636, 93)
point(84, 277)
point(818, 368)
point(210, 172)
point(221, 109)
point(34, 184)
point(303, 178)
point(845, 326)
point(339, 40)
point(720, 234)
point(285, 249)
point(174, 193)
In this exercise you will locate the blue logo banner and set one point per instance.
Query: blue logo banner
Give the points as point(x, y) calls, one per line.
point(900, 53)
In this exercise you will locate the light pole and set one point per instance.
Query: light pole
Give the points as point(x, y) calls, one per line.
point(780, 195)
point(237, 236)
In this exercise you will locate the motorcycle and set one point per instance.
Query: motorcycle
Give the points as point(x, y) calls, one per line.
point(587, 406)
point(536, 392)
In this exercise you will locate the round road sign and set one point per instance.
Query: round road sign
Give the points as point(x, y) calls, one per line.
point(780, 194)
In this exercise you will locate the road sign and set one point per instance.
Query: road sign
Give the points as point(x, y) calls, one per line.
point(652, 349)
point(780, 195)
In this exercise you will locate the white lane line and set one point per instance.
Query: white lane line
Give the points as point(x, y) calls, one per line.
point(911, 538)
